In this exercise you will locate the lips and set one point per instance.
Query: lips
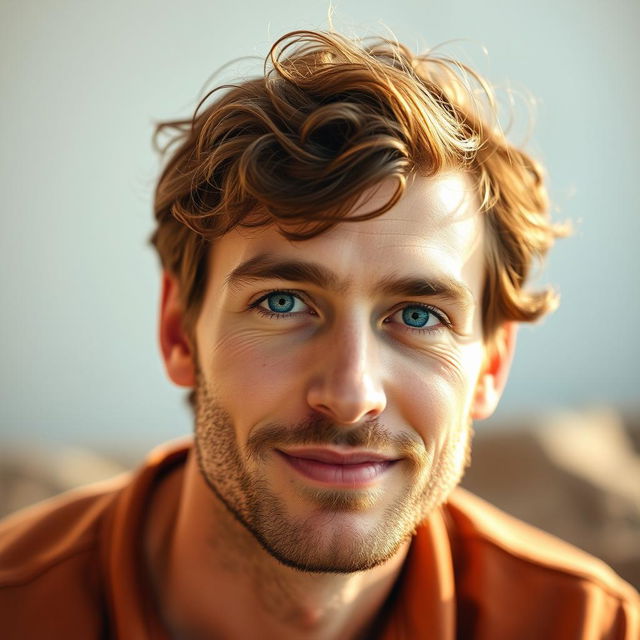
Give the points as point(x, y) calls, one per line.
point(358, 469)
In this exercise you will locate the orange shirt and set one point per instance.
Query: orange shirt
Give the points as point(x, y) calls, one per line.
point(71, 567)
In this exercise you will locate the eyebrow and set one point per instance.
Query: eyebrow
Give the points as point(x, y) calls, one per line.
point(417, 287)
point(265, 266)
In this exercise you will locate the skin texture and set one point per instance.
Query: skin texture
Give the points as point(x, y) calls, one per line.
point(285, 363)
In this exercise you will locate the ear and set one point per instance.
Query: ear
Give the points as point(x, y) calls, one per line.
point(495, 371)
point(177, 352)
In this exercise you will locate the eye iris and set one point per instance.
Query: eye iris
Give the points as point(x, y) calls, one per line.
point(281, 302)
point(415, 316)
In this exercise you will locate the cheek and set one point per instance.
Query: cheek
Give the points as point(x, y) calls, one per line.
point(431, 407)
point(252, 376)
point(435, 395)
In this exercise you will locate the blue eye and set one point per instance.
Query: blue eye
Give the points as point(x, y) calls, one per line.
point(280, 302)
point(421, 318)
point(417, 316)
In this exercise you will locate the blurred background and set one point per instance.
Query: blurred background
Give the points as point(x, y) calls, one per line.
point(82, 388)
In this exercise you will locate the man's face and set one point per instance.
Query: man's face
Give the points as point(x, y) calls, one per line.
point(336, 375)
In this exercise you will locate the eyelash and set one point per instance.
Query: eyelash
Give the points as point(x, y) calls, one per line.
point(296, 294)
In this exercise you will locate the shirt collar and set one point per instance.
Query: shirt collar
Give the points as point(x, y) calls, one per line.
point(425, 603)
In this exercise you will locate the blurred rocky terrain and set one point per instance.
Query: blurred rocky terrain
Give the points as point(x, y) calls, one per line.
point(574, 474)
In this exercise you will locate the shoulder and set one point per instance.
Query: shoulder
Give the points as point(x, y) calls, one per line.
point(508, 568)
point(483, 524)
point(50, 563)
point(40, 537)
point(65, 562)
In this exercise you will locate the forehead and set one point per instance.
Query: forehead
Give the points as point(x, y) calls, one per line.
point(435, 229)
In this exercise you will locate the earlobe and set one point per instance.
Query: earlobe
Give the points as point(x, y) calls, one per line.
point(495, 372)
point(176, 349)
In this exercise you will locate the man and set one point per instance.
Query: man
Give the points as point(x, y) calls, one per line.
point(345, 244)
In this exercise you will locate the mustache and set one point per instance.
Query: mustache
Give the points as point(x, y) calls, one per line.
point(372, 435)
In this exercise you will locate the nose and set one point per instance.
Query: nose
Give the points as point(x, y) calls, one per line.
point(348, 384)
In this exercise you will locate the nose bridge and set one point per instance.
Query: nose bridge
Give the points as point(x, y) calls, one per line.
point(349, 384)
point(348, 355)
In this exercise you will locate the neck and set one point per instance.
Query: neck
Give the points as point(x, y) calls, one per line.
point(209, 571)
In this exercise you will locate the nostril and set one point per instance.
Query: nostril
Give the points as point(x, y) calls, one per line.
point(349, 413)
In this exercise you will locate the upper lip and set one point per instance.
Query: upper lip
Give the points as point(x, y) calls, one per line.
point(331, 456)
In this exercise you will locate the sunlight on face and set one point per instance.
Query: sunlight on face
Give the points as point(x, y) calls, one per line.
point(336, 375)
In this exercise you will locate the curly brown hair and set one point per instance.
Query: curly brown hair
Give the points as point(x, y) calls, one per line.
point(330, 118)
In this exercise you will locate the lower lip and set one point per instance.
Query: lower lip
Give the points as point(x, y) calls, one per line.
point(350, 476)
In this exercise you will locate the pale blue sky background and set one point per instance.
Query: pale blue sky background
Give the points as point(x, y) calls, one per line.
point(82, 83)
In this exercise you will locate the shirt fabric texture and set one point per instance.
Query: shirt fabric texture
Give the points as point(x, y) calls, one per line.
point(71, 567)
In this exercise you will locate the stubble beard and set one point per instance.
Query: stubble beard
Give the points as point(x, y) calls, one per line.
point(312, 544)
